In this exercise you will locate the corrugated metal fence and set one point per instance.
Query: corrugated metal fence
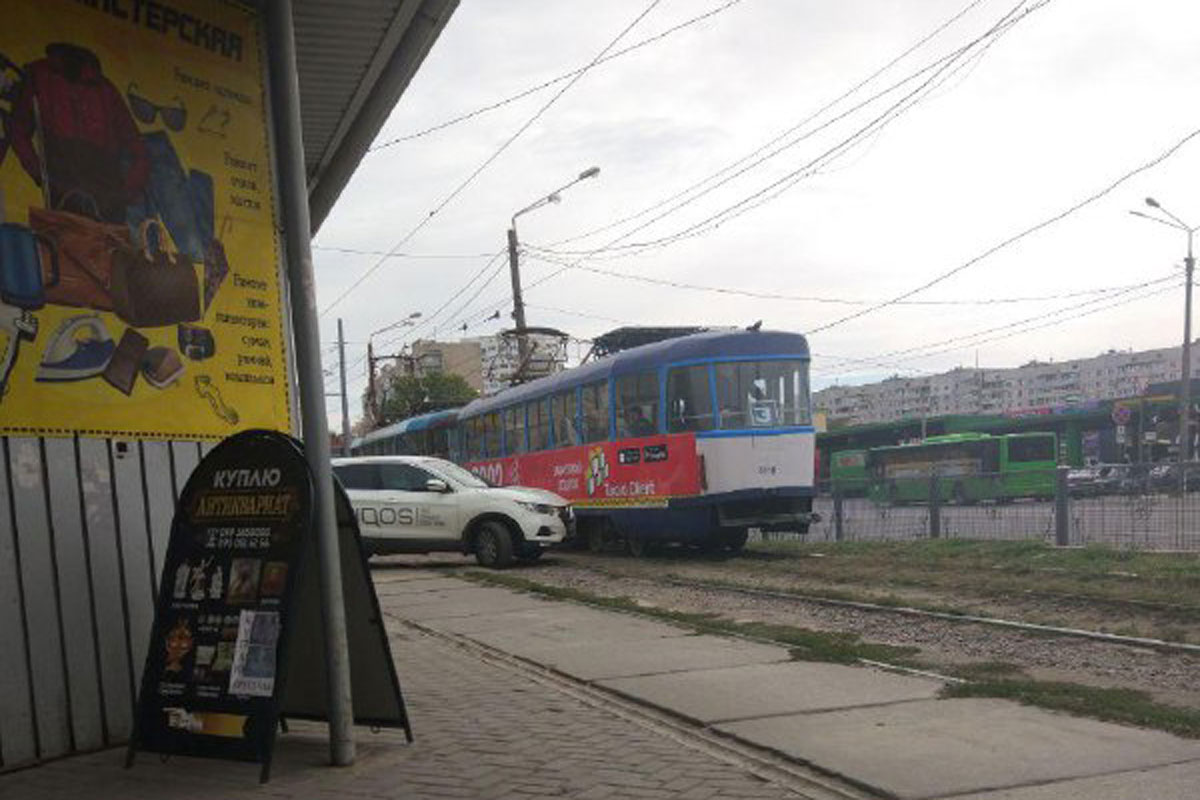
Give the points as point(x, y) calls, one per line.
point(84, 525)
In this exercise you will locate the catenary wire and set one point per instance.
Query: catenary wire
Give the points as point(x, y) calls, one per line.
point(547, 84)
point(490, 159)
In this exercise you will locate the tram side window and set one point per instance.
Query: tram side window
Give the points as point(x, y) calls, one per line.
point(491, 434)
point(763, 394)
point(1030, 448)
point(689, 401)
point(565, 414)
point(538, 419)
point(637, 404)
point(514, 430)
point(475, 439)
point(595, 412)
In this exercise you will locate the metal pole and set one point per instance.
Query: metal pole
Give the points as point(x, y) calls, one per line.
point(514, 267)
point(935, 505)
point(1185, 390)
point(372, 408)
point(345, 399)
point(1062, 507)
point(285, 100)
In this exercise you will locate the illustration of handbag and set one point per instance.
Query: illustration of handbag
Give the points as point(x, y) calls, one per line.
point(85, 249)
point(153, 288)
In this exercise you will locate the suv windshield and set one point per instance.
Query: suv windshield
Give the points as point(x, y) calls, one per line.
point(457, 474)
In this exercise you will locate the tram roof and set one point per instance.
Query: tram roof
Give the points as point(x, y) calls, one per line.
point(410, 425)
point(699, 346)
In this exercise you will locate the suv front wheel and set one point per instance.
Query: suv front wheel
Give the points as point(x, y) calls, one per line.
point(493, 545)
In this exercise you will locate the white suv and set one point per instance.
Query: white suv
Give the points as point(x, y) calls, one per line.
point(416, 504)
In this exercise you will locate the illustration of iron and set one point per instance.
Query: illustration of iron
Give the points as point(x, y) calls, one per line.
point(206, 389)
point(79, 348)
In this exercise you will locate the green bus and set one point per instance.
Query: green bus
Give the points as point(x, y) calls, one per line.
point(848, 473)
point(971, 467)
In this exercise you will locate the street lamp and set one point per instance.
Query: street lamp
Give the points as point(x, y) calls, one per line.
point(372, 398)
point(1185, 392)
point(514, 262)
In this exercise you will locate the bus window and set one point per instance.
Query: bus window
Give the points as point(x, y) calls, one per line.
point(538, 421)
point(689, 401)
point(565, 413)
point(763, 394)
point(491, 434)
point(514, 430)
point(637, 404)
point(1030, 448)
point(595, 412)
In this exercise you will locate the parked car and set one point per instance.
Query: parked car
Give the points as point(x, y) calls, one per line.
point(1166, 477)
point(1099, 479)
point(418, 504)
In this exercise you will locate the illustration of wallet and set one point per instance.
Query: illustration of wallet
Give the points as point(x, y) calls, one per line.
point(123, 368)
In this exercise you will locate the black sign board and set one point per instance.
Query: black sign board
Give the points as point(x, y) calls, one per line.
point(239, 583)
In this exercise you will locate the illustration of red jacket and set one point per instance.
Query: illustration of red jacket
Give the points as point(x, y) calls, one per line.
point(90, 142)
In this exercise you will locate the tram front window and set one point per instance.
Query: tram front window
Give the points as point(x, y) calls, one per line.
point(762, 394)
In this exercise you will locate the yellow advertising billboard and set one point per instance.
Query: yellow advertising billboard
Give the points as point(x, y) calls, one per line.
point(139, 262)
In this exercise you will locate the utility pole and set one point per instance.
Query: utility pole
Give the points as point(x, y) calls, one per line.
point(514, 267)
point(372, 401)
point(1185, 389)
point(345, 399)
point(514, 264)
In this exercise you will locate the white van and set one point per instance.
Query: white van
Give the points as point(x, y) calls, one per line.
point(417, 504)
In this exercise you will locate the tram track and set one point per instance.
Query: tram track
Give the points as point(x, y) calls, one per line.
point(1031, 627)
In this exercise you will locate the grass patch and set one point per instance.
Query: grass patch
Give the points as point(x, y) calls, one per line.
point(991, 568)
point(803, 643)
point(1127, 706)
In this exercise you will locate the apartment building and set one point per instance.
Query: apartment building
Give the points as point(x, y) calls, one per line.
point(1031, 386)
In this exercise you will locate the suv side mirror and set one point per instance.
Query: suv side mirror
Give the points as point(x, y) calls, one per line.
point(437, 485)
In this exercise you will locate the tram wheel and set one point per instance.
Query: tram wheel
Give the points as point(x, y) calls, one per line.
point(638, 546)
point(735, 541)
point(596, 537)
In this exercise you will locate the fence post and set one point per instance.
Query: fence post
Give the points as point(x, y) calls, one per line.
point(839, 531)
point(1062, 507)
point(935, 506)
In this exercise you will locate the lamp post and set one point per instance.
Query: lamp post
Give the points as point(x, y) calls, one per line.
point(1185, 389)
point(372, 397)
point(514, 264)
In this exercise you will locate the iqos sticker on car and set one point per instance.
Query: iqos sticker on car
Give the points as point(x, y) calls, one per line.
point(387, 516)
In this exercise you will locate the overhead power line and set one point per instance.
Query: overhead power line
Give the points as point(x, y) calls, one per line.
point(940, 68)
point(388, 254)
point(490, 159)
point(559, 79)
point(842, 301)
point(1011, 240)
point(1026, 325)
point(811, 117)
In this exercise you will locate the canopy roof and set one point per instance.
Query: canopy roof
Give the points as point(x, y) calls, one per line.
point(355, 58)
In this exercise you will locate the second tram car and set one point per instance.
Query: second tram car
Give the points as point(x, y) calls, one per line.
point(695, 439)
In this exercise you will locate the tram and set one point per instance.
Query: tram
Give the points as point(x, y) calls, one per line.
point(694, 439)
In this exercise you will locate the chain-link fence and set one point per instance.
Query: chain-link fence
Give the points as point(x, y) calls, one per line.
point(1153, 507)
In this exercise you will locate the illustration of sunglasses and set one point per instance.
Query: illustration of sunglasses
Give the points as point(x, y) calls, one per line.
point(174, 116)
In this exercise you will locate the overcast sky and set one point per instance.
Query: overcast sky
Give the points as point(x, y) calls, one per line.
point(1071, 97)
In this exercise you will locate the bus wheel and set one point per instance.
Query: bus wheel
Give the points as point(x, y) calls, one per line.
point(493, 546)
point(960, 495)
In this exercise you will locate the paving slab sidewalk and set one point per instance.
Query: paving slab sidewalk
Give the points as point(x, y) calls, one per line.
point(875, 728)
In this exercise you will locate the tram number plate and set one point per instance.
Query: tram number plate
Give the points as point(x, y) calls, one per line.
point(629, 455)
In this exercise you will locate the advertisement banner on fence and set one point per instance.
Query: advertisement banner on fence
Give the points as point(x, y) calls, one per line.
point(642, 472)
point(139, 267)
